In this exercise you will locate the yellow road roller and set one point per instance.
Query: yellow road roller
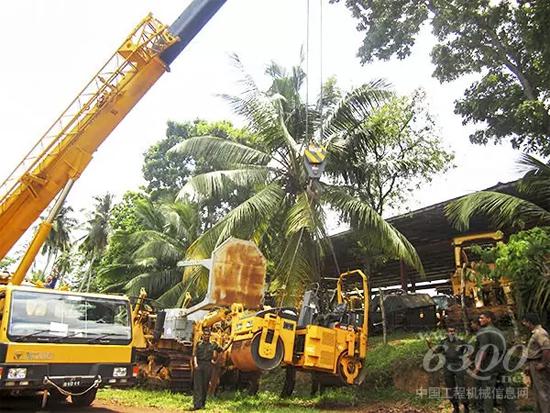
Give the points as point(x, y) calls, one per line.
point(332, 344)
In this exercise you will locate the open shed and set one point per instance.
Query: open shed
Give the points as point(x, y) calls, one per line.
point(431, 233)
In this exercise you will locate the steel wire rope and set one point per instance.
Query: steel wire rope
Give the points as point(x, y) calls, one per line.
point(321, 115)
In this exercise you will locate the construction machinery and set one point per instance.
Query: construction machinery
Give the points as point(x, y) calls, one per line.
point(236, 280)
point(473, 292)
point(70, 343)
point(480, 291)
point(332, 345)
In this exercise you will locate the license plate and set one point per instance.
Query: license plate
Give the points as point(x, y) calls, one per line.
point(72, 382)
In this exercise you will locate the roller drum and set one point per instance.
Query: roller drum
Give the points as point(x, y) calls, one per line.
point(246, 357)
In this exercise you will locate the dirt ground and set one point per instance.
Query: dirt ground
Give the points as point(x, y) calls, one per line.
point(30, 405)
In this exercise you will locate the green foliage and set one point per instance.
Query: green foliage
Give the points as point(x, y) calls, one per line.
point(504, 209)
point(526, 261)
point(167, 172)
point(6, 263)
point(150, 240)
point(384, 361)
point(265, 401)
point(123, 219)
point(391, 153)
point(284, 209)
point(505, 43)
point(238, 402)
point(95, 240)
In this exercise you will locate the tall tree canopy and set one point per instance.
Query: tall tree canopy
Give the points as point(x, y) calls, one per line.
point(391, 154)
point(505, 42)
point(284, 209)
point(166, 172)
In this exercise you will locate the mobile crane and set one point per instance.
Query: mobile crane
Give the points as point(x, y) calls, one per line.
point(70, 343)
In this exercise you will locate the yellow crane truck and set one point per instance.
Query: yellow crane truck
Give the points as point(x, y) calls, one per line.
point(62, 342)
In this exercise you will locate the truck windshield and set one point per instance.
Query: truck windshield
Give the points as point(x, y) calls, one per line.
point(64, 318)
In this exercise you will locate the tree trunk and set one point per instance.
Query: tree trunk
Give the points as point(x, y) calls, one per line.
point(86, 279)
point(48, 259)
point(383, 313)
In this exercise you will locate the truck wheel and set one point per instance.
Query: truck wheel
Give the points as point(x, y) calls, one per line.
point(85, 399)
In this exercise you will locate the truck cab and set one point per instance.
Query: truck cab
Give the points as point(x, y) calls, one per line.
point(64, 342)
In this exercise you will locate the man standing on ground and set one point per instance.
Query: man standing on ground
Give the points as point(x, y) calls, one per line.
point(203, 361)
point(538, 361)
point(490, 352)
point(454, 350)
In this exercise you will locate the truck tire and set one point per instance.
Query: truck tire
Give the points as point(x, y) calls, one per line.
point(85, 399)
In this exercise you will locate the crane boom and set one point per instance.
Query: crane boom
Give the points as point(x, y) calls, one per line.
point(67, 147)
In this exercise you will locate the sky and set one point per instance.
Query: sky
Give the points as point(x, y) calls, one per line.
point(52, 48)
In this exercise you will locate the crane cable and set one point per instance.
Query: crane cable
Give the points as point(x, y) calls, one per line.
point(321, 115)
point(306, 137)
point(321, 120)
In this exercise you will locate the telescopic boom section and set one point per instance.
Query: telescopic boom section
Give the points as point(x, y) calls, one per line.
point(66, 148)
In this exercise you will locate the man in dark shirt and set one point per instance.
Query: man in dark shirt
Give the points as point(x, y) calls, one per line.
point(490, 352)
point(203, 360)
point(454, 350)
point(538, 361)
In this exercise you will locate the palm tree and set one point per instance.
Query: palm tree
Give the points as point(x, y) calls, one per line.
point(515, 211)
point(168, 229)
point(504, 209)
point(59, 238)
point(97, 236)
point(286, 212)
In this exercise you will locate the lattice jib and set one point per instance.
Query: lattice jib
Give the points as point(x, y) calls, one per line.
point(148, 39)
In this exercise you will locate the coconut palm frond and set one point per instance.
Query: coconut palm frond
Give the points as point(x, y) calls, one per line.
point(160, 249)
point(249, 85)
point(356, 107)
point(294, 271)
point(195, 282)
point(170, 298)
point(536, 181)
point(261, 113)
point(392, 242)
point(242, 218)
point(501, 209)
point(149, 215)
point(291, 144)
point(154, 282)
point(182, 221)
point(302, 215)
point(215, 184)
point(224, 151)
point(114, 288)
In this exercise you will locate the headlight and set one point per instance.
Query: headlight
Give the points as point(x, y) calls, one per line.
point(17, 373)
point(120, 372)
point(249, 324)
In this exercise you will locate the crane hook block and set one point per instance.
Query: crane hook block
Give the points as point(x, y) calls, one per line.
point(314, 160)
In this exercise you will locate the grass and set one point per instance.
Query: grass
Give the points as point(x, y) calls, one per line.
point(230, 402)
point(332, 400)
point(404, 350)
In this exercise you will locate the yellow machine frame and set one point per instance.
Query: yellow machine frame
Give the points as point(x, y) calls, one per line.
point(269, 338)
point(470, 287)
